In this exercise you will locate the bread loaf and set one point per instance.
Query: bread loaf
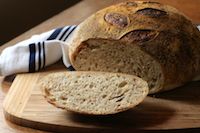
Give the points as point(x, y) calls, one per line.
point(95, 93)
point(153, 41)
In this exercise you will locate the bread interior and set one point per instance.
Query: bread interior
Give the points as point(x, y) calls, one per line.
point(118, 56)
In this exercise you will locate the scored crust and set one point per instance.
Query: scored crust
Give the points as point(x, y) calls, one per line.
point(161, 31)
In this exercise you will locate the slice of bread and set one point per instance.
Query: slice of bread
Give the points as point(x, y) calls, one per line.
point(95, 93)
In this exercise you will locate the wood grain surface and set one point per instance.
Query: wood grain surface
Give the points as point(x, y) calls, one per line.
point(26, 106)
point(75, 15)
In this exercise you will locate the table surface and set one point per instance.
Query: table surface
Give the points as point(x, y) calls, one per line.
point(74, 15)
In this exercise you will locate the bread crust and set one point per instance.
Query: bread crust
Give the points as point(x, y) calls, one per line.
point(167, 35)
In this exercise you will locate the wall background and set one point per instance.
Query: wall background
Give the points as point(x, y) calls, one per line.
point(17, 16)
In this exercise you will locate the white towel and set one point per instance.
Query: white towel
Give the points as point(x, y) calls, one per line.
point(37, 52)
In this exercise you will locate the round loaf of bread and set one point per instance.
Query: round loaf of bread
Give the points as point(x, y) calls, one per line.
point(153, 41)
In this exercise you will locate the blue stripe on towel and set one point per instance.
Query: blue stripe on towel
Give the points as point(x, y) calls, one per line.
point(44, 58)
point(64, 33)
point(55, 34)
point(32, 57)
point(70, 68)
point(39, 56)
point(72, 29)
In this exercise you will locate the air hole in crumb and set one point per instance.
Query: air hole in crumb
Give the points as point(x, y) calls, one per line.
point(119, 100)
point(63, 98)
point(154, 79)
point(139, 70)
point(118, 61)
point(119, 70)
point(122, 84)
point(151, 85)
point(91, 86)
point(104, 96)
point(85, 86)
point(95, 65)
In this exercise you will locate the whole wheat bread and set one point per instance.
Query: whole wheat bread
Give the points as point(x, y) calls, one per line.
point(153, 41)
point(95, 93)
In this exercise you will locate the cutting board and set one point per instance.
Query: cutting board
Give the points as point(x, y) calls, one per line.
point(176, 109)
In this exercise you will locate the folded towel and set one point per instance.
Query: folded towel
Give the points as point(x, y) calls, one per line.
point(38, 52)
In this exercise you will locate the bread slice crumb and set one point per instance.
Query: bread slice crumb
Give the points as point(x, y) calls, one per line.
point(94, 93)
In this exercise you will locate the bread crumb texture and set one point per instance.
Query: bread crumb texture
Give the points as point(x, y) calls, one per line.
point(96, 93)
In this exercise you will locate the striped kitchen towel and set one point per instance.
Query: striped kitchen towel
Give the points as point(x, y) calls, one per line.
point(37, 52)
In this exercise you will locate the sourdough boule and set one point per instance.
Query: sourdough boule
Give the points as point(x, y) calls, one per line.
point(153, 41)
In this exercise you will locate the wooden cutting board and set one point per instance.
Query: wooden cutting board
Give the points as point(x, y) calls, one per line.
point(176, 109)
